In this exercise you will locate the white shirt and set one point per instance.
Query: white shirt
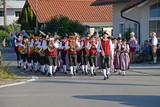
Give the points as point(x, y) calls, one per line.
point(42, 45)
point(154, 41)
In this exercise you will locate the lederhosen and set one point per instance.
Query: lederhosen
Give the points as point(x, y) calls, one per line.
point(35, 55)
point(105, 60)
point(25, 55)
point(42, 58)
point(85, 53)
point(72, 55)
point(51, 57)
point(93, 55)
point(63, 53)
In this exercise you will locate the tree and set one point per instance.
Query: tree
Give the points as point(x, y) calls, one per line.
point(62, 24)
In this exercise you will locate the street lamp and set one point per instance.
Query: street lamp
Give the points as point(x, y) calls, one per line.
point(36, 31)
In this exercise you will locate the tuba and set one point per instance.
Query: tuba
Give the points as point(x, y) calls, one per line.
point(73, 45)
point(23, 50)
point(50, 46)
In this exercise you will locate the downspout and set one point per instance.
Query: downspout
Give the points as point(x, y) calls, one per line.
point(139, 38)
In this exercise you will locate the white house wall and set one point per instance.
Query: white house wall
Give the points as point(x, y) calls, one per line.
point(140, 14)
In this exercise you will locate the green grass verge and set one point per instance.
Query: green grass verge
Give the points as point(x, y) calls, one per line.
point(5, 73)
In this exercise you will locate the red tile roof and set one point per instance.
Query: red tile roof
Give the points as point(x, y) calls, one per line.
point(130, 4)
point(75, 9)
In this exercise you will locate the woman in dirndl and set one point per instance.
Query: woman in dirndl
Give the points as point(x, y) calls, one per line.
point(124, 57)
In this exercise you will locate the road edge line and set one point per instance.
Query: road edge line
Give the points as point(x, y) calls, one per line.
point(34, 78)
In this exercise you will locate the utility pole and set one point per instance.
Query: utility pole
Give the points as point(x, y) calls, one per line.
point(36, 17)
point(5, 12)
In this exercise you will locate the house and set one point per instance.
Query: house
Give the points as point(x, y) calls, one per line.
point(142, 16)
point(95, 18)
point(14, 8)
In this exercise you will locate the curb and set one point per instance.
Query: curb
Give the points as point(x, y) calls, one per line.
point(34, 78)
point(141, 72)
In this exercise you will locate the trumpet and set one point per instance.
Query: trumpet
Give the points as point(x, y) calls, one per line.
point(41, 52)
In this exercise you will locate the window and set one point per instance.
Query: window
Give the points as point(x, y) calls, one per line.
point(121, 29)
point(17, 13)
point(1, 13)
point(155, 10)
point(154, 26)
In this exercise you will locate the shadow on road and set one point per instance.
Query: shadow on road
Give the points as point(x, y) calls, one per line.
point(129, 100)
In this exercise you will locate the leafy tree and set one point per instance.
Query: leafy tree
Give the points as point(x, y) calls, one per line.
point(62, 24)
point(127, 34)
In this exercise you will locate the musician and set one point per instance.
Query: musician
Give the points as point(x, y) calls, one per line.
point(42, 59)
point(86, 53)
point(34, 45)
point(64, 53)
point(105, 55)
point(24, 52)
point(51, 55)
point(72, 45)
point(18, 42)
point(93, 53)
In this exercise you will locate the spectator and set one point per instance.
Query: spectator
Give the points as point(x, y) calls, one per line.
point(132, 46)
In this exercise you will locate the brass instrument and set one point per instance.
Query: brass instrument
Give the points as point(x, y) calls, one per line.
point(50, 46)
point(85, 44)
point(23, 50)
point(41, 52)
point(73, 45)
point(93, 45)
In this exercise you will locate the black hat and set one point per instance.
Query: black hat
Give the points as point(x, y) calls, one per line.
point(24, 37)
point(119, 38)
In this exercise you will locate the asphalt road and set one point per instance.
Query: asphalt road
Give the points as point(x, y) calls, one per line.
point(133, 90)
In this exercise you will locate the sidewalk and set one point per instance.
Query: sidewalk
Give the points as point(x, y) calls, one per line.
point(153, 69)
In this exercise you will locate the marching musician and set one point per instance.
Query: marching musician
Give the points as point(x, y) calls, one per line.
point(105, 47)
point(72, 45)
point(24, 52)
point(18, 42)
point(86, 53)
point(34, 45)
point(93, 47)
point(51, 54)
point(64, 53)
point(42, 59)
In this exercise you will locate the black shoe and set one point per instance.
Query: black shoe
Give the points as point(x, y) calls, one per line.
point(71, 75)
point(49, 74)
point(54, 74)
point(82, 72)
point(65, 73)
point(18, 67)
point(24, 69)
point(91, 75)
point(95, 74)
point(86, 73)
point(30, 70)
point(105, 78)
point(74, 73)
point(43, 73)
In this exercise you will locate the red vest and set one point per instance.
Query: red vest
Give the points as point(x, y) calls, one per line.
point(63, 50)
point(51, 53)
point(93, 50)
point(106, 46)
point(70, 51)
point(85, 51)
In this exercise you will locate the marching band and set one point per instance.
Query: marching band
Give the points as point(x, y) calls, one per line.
point(88, 53)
